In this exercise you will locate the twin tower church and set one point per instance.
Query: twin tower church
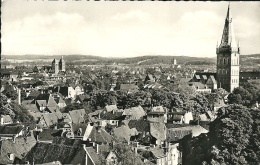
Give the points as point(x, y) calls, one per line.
point(58, 66)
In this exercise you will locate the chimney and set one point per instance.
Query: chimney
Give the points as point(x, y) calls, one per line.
point(97, 148)
point(13, 138)
point(135, 148)
point(19, 96)
point(2, 120)
point(257, 105)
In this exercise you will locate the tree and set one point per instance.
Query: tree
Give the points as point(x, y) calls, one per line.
point(125, 155)
point(233, 138)
point(240, 96)
point(10, 92)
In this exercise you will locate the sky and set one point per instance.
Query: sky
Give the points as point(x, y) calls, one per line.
point(125, 29)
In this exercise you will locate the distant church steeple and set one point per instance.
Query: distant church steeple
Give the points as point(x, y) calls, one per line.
point(62, 64)
point(228, 57)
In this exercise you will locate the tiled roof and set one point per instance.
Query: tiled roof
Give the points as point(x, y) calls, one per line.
point(31, 107)
point(198, 85)
point(50, 118)
point(11, 129)
point(48, 134)
point(158, 130)
point(67, 151)
point(134, 113)
point(112, 116)
point(158, 153)
point(41, 103)
point(81, 127)
point(34, 94)
point(77, 116)
point(100, 135)
point(157, 109)
point(196, 129)
point(175, 134)
point(110, 108)
point(97, 158)
point(19, 148)
point(93, 117)
point(140, 125)
point(124, 132)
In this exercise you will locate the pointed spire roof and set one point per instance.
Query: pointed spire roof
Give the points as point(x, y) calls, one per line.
point(228, 36)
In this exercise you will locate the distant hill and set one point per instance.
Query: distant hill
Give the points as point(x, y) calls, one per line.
point(253, 59)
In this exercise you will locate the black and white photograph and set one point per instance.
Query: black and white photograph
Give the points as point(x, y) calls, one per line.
point(130, 82)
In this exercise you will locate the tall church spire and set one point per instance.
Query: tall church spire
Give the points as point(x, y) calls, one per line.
point(228, 57)
point(228, 36)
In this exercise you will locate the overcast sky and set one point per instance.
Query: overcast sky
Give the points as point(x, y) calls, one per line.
point(129, 29)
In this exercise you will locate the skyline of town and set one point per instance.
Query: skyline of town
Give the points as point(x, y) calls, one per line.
point(125, 29)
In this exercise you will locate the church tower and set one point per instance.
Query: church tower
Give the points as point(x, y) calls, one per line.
point(62, 64)
point(228, 57)
point(55, 66)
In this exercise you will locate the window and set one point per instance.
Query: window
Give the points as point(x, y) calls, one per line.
point(228, 61)
point(224, 61)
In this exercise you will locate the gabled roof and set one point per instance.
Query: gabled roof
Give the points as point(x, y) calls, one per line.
point(140, 125)
point(212, 78)
point(53, 109)
point(110, 108)
point(198, 85)
point(11, 129)
point(158, 130)
point(67, 151)
point(48, 134)
point(50, 102)
point(77, 116)
point(157, 109)
point(34, 94)
point(100, 135)
point(158, 153)
point(134, 113)
point(124, 132)
point(41, 103)
point(104, 150)
point(79, 128)
point(195, 129)
point(112, 116)
point(19, 148)
point(51, 118)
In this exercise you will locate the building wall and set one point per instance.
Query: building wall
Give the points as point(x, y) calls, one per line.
point(227, 69)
